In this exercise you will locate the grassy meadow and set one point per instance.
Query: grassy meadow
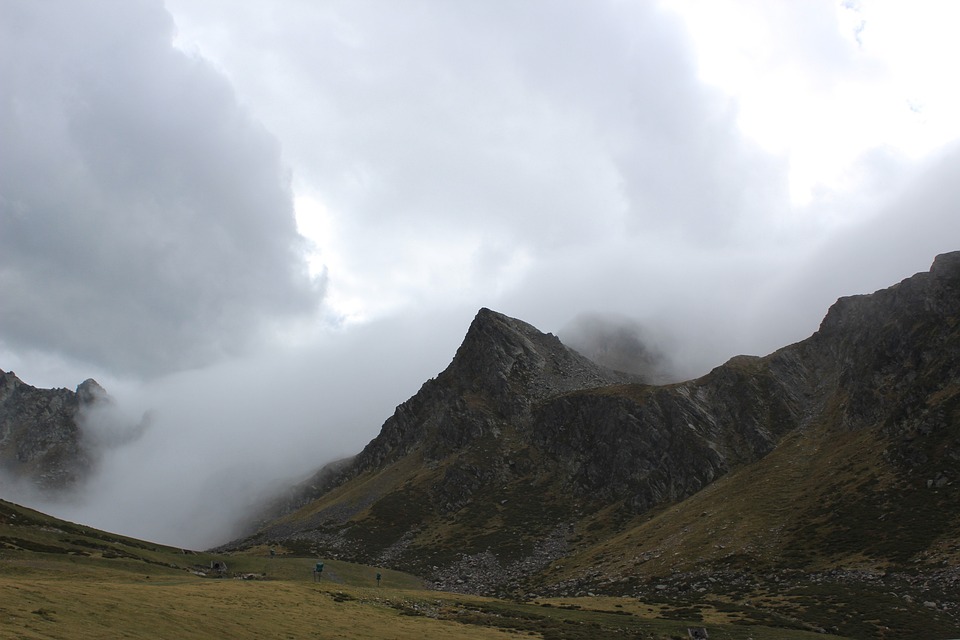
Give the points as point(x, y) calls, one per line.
point(84, 605)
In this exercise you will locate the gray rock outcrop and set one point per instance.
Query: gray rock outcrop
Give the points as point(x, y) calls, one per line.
point(40, 440)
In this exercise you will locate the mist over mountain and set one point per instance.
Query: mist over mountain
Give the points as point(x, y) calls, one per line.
point(524, 466)
point(163, 452)
point(523, 455)
point(621, 344)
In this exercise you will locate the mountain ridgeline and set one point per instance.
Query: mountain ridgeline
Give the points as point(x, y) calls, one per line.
point(524, 465)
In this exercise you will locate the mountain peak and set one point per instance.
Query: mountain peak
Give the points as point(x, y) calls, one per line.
point(89, 392)
point(920, 297)
point(503, 368)
point(947, 264)
point(491, 326)
point(501, 356)
point(39, 437)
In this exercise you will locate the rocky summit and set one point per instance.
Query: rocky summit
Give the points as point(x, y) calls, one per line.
point(525, 468)
point(40, 436)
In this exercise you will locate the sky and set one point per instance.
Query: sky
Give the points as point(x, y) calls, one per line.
point(267, 223)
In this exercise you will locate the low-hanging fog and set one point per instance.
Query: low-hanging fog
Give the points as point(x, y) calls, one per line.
point(185, 459)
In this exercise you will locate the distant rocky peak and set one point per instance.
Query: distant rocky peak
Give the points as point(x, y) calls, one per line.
point(620, 343)
point(39, 437)
point(492, 328)
point(497, 345)
point(936, 292)
point(8, 381)
point(947, 265)
point(90, 392)
point(502, 355)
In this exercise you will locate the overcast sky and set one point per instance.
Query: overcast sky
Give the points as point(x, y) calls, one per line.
point(294, 209)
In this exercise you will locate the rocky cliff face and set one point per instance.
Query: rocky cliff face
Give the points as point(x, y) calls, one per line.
point(516, 404)
point(521, 451)
point(502, 370)
point(888, 361)
point(40, 440)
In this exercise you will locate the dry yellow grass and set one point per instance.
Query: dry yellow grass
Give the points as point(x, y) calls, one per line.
point(78, 608)
point(63, 580)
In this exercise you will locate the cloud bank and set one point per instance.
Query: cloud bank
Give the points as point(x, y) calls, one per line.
point(184, 459)
point(146, 219)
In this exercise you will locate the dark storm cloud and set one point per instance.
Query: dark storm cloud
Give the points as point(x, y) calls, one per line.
point(146, 220)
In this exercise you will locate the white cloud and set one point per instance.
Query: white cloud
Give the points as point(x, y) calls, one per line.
point(825, 82)
point(220, 439)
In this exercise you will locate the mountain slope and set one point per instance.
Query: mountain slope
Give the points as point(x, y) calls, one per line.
point(63, 580)
point(519, 438)
point(840, 450)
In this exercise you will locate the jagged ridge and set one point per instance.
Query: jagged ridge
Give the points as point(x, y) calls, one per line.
point(522, 451)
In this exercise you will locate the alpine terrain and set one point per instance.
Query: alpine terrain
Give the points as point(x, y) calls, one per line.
point(819, 483)
point(811, 492)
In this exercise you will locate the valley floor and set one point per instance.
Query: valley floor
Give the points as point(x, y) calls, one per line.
point(58, 598)
point(62, 580)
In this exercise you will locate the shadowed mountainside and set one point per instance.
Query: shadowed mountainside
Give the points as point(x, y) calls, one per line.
point(524, 466)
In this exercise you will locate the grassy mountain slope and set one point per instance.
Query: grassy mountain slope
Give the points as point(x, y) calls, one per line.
point(822, 533)
point(826, 470)
point(61, 580)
